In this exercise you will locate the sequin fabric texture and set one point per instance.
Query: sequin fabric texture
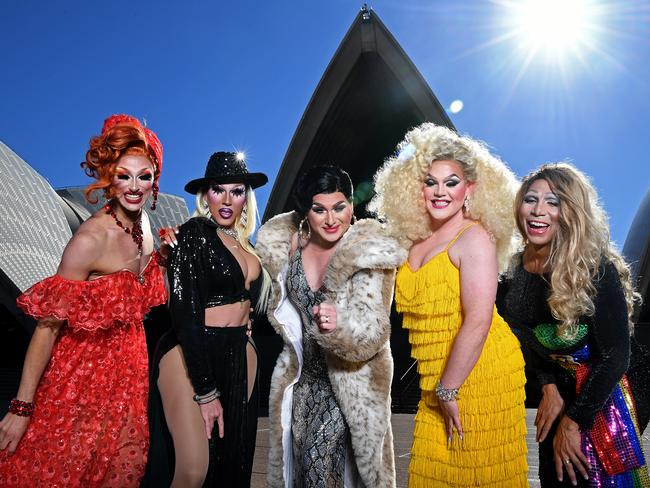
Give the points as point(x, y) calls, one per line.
point(590, 376)
point(89, 428)
point(318, 426)
point(202, 273)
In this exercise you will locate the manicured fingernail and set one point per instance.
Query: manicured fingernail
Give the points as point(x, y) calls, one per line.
point(172, 244)
point(461, 437)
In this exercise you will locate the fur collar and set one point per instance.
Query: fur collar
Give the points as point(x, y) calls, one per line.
point(364, 246)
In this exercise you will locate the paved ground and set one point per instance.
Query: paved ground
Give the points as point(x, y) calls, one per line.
point(402, 431)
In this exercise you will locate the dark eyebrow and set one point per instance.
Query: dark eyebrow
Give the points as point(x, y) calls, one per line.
point(334, 205)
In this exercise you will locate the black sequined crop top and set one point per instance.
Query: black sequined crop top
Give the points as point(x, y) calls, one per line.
point(202, 273)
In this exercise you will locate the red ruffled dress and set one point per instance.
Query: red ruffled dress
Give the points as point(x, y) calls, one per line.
point(90, 426)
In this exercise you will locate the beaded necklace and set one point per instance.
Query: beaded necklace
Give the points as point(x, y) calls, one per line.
point(135, 231)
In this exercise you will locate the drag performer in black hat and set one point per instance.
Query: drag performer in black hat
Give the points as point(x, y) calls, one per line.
point(207, 365)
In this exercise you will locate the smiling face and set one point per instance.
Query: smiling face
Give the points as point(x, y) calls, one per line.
point(329, 217)
point(445, 190)
point(539, 214)
point(226, 202)
point(133, 181)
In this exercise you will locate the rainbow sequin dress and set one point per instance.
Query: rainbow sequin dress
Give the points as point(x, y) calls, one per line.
point(591, 373)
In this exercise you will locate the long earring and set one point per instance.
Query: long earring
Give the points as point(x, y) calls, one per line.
point(243, 218)
point(304, 235)
point(466, 205)
point(155, 196)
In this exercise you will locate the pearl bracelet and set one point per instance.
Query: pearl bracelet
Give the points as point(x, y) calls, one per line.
point(446, 394)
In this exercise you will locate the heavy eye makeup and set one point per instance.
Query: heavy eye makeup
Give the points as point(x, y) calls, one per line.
point(235, 192)
point(147, 176)
point(449, 182)
point(530, 198)
point(552, 199)
point(338, 208)
point(238, 192)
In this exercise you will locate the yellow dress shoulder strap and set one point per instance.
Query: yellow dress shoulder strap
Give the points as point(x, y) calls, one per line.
point(460, 233)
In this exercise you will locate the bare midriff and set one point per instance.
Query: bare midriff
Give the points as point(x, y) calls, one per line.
point(231, 315)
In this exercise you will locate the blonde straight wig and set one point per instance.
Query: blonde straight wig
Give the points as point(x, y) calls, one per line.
point(245, 225)
point(578, 247)
point(399, 183)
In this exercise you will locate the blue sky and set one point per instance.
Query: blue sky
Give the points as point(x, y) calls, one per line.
point(223, 75)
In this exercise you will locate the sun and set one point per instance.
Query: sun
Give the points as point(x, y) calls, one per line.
point(553, 29)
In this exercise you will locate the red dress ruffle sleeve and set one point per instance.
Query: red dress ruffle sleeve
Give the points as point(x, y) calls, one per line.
point(89, 428)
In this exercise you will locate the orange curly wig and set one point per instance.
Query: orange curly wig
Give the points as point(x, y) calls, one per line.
point(121, 135)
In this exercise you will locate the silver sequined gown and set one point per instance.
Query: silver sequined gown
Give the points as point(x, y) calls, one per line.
point(318, 426)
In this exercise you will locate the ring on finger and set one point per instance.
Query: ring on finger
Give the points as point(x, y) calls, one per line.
point(567, 461)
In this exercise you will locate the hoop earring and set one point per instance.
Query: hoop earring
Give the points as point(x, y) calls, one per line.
point(155, 196)
point(304, 235)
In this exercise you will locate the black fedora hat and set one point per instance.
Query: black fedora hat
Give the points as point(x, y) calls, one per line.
point(226, 167)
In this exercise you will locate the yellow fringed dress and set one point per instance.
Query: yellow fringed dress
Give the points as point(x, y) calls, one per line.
point(491, 400)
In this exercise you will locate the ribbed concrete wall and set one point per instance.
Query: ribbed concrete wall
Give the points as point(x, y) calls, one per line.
point(33, 227)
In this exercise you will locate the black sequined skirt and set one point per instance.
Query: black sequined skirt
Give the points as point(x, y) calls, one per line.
point(231, 457)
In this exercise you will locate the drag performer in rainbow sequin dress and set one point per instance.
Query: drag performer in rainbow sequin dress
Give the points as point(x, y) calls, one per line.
point(569, 296)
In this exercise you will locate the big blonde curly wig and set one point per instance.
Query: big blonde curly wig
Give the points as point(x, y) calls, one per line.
point(578, 247)
point(399, 182)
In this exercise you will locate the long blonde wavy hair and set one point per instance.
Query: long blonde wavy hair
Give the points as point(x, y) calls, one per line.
point(578, 247)
point(399, 182)
point(245, 225)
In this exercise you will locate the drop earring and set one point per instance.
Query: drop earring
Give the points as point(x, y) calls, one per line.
point(155, 196)
point(466, 204)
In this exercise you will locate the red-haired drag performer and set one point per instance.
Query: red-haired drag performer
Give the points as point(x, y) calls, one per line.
point(80, 414)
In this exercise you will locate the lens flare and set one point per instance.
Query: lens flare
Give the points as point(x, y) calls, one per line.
point(456, 106)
